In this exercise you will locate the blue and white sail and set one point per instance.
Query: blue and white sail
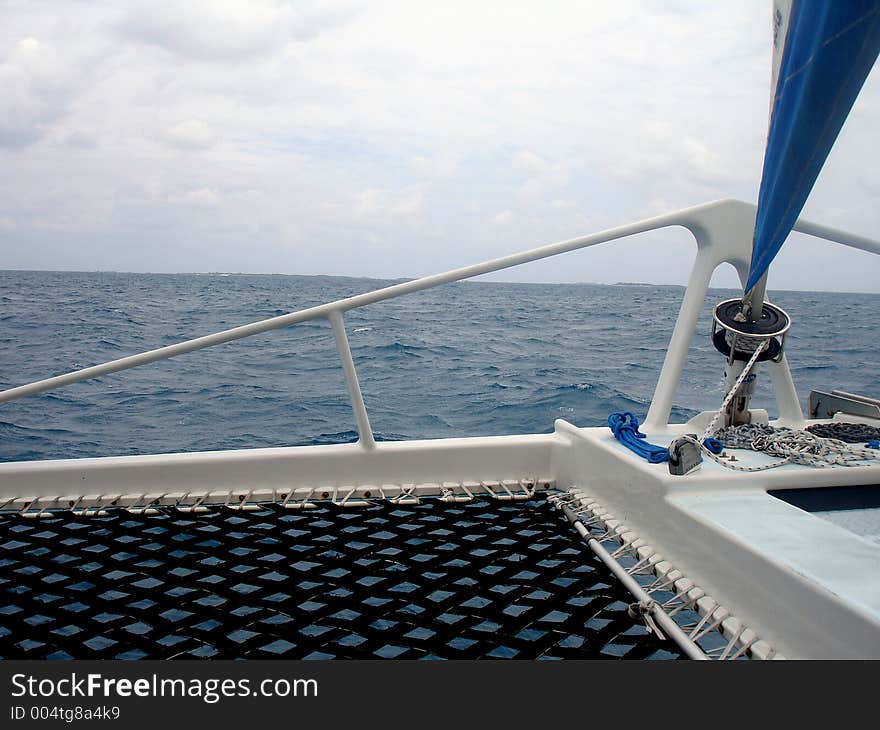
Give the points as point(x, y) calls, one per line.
point(823, 51)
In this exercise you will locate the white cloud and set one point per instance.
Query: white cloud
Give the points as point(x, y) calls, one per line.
point(81, 139)
point(542, 177)
point(202, 197)
point(450, 132)
point(209, 30)
point(376, 207)
point(28, 46)
point(36, 88)
point(190, 134)
point(529, 161)
point(442, 164)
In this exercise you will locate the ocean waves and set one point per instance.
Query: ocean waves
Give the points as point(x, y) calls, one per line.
point(461, 360)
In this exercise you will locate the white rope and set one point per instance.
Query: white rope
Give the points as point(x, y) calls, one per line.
point(795, 446)
point(713, 424)
point(791, 446)
point(744, 343)
point(298, 498)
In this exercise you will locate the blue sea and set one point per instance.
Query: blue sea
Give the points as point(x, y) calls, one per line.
point(466, 359)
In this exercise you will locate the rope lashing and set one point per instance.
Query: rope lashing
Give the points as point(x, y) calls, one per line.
point(625, 427)
point(642, 610)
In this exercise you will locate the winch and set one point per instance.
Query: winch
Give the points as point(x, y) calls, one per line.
point(737, 336)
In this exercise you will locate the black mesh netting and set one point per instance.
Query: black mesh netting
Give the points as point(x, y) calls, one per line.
point(427, 581)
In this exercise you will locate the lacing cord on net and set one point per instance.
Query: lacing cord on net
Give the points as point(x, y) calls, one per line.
point(644, 610)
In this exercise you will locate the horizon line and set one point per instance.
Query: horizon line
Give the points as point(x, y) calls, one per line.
point(412, 278)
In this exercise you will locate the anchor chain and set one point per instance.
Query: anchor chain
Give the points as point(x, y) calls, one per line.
point(852, 433)
point(793, 446)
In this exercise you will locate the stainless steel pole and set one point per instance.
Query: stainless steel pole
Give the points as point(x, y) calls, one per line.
point(753, 301)
point(663, 620)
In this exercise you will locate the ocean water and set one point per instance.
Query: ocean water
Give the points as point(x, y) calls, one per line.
point(466, 359)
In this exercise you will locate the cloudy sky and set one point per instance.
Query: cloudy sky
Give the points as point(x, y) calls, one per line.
point(397, 138)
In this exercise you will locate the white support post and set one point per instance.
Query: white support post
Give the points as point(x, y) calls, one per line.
point(787, 401)
point(680, 342)
point(365, 432)
point(784, 390)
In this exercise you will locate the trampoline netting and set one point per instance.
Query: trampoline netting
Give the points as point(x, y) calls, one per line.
point(433, 580)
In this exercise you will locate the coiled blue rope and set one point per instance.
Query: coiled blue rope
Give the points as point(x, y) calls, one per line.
point(625, 427)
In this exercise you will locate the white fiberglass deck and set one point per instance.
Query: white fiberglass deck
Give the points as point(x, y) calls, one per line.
point(814, 584)
point(838, 560)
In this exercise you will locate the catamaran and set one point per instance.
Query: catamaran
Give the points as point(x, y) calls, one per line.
point(728, 532)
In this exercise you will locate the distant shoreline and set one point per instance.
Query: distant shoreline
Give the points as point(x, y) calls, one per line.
point(646, 283)
point(396, 280)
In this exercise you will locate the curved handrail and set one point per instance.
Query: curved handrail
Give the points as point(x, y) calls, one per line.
point(343, 305)
point(723, 225)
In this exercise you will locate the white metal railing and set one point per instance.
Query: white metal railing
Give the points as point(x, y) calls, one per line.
point(722, 230)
